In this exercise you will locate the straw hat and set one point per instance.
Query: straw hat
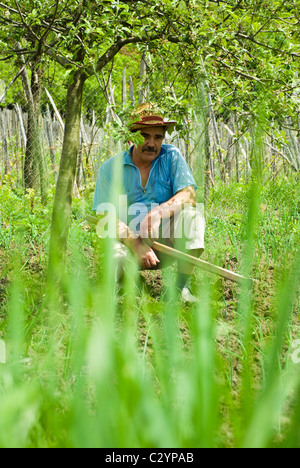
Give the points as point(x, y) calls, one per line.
point(147, 115)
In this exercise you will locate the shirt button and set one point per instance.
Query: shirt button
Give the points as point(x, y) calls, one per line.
point(144, 191)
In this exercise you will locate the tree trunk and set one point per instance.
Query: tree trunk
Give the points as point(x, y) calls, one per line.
point(132, 97)
point(124, 89)
point(33, 172)
point(50, 137)
point(217, 138)
point(66, 178)
point(144, 88)
point(4, 130)
point(31, 175)
point(215, 127)
point(205, 119)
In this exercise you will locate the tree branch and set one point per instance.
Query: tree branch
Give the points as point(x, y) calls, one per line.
point(59, 58)
point(229, 15)
point(238, 72)
point(50, 24)
point(6, 58)
point(11, 83)
point(117, 46)
point(24, 22)
point(7, 7)
point(266, 46)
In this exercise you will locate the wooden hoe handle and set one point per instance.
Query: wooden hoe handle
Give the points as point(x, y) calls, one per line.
point(203, 265)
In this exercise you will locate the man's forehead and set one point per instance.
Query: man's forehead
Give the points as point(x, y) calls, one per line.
point(152, 131)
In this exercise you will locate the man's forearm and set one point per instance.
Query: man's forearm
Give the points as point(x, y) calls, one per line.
point(126, 236)
point(171, 207)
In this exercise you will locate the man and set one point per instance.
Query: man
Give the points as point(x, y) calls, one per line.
point(160, 198)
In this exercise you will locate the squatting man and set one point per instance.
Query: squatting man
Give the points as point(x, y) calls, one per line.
point(150, 193)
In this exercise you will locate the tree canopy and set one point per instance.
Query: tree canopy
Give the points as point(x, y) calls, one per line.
point(245, 48)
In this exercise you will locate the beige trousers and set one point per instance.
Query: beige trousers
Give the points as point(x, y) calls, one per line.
point(185, 231)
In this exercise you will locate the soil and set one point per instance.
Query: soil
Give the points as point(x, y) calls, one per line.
point(229, 333)
point(153, 282)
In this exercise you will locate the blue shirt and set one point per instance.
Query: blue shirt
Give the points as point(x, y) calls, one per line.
point(119, 176)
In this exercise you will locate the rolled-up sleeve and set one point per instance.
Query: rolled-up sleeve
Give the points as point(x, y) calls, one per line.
point(181, 174)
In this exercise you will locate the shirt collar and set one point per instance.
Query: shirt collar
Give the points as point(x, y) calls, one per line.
point(127, 157)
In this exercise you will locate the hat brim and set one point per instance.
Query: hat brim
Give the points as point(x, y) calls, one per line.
point(140, 125)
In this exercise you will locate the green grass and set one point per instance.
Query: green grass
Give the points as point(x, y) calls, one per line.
point(87, 368)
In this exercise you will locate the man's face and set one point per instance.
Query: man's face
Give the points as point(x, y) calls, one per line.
point(153, 139)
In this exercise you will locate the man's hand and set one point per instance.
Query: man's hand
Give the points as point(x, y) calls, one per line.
point(150, 224)
point(146, 256)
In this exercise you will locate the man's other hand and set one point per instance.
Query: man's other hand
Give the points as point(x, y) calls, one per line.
point(146, 256)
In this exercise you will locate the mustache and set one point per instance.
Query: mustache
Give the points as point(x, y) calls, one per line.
point(150, 149)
